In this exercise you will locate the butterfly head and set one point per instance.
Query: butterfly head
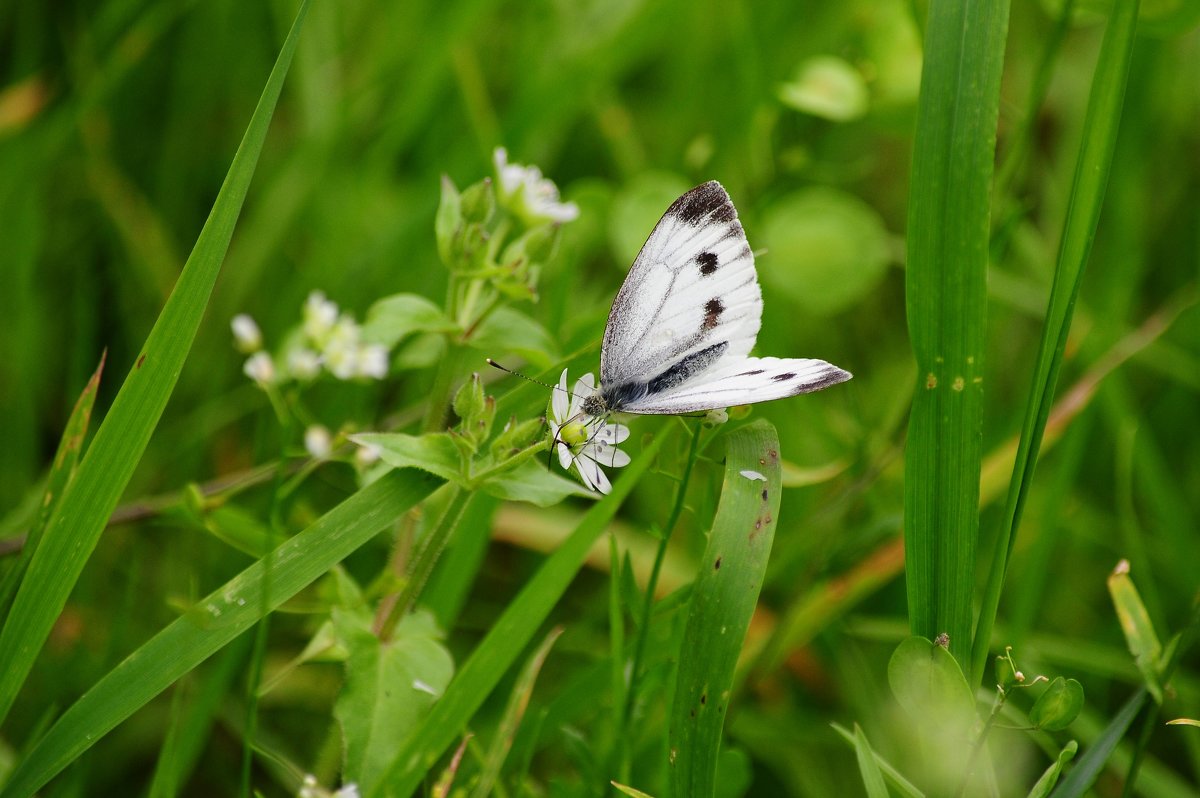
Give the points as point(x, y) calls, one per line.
point(595, 405)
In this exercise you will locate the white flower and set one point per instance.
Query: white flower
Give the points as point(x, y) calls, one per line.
point(367, 454)
point(349, 791)
point(303, 363)
point(373, 361)
point(319, 316)
point(318, 442)
point(246, 335)
point(528, 194)
point(587, 442)
point(260, 368)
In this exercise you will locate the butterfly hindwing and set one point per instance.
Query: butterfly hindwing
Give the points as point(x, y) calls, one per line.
point(691, 298)
point(741, 381)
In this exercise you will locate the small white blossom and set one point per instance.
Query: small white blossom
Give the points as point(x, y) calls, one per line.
point(527, 193)
point(373, 361)
point(260, 368)
point(303, 363)
point(367, 454)
point(246, 335)
point(349, 791)
point(587, 442)
point(318, 441)
point(319, 316)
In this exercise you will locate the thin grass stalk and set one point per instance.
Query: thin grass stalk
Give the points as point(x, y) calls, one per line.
point(1079, 229)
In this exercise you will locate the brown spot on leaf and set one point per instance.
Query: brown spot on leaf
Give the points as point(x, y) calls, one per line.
point(141, 360)
point(717, 564)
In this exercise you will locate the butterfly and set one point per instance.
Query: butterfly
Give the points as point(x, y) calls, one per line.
point(681, 328)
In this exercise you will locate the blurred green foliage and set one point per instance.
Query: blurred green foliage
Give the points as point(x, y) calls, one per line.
point(117, 125)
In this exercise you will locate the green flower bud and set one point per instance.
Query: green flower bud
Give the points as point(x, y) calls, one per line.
point(469, 401)
point(479, 202)
point(448, 221)
point(516, 436)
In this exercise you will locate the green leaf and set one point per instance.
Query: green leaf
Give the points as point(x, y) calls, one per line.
point(506, 638)
point(828, 87)
point(216, 620)
point(62, 471)
point(929, 685)
point(389, 687)
point(826, 249)
point(434, 452)
point(1094, 759)
point(1079, 229)
point(1138, 628)
point(511, 331)
point(1058, 706)
point(531, 482)
point(1049, 778)
point(394, 318)
point(75, 526)
point(723, 598)
point(946, 294)
point(902, 785)
point(872, 776)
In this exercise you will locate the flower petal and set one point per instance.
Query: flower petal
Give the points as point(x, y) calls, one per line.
point(592, 474)
point(559, 401)
point(564, 455)
point(612, 434)
point(605, 455)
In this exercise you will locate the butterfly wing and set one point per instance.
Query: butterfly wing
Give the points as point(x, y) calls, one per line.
point(741, 381)
point(691, 298)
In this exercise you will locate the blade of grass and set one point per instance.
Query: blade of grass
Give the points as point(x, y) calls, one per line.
point(218, 619)
point(723, 598)
point(901, 784)
point(62, 469)
point(507, 637)
point(948, 233)
point(1079, 228)
point(1081, 777)
point(76, 524)
point(518, 701)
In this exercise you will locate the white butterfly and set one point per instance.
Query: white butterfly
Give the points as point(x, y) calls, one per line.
point(682, 326)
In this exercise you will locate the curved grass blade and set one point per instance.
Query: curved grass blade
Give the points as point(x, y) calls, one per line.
point(1079, 228)
point(508, 637)
point(722, 602)
point(948, 237)
point(75, 526)
point(218, 619)
point(1088, 768)
point(62, 469)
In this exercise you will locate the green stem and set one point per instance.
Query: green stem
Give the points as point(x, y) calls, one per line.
point(443, 384)
point(648, 604)
point(429, 549)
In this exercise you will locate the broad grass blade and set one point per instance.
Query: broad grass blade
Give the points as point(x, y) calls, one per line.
point(948, 236)
point(723, 599)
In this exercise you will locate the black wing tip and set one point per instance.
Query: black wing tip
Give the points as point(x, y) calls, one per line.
point(707, 202)
point(830, 376)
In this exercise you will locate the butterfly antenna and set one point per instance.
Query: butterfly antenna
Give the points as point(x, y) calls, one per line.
point(506, 370)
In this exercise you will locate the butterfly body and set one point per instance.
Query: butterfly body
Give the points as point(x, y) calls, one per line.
point(683, 324)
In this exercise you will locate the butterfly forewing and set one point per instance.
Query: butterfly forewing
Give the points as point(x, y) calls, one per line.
point(691, 290)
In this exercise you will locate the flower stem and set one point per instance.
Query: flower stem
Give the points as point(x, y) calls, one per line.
point(428, 549)
point(648, 604)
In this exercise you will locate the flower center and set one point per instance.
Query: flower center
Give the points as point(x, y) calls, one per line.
point(573, 434)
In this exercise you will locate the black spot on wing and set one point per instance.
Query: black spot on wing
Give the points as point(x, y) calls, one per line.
point(712, 313)
point(782, 377)
point(704, 203)
point(750, 373)
point(708, 263)
point(685, 368)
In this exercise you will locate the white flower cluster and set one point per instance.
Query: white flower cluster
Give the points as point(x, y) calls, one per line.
point(331, 340)
point(584, 441)
point(530, 195)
